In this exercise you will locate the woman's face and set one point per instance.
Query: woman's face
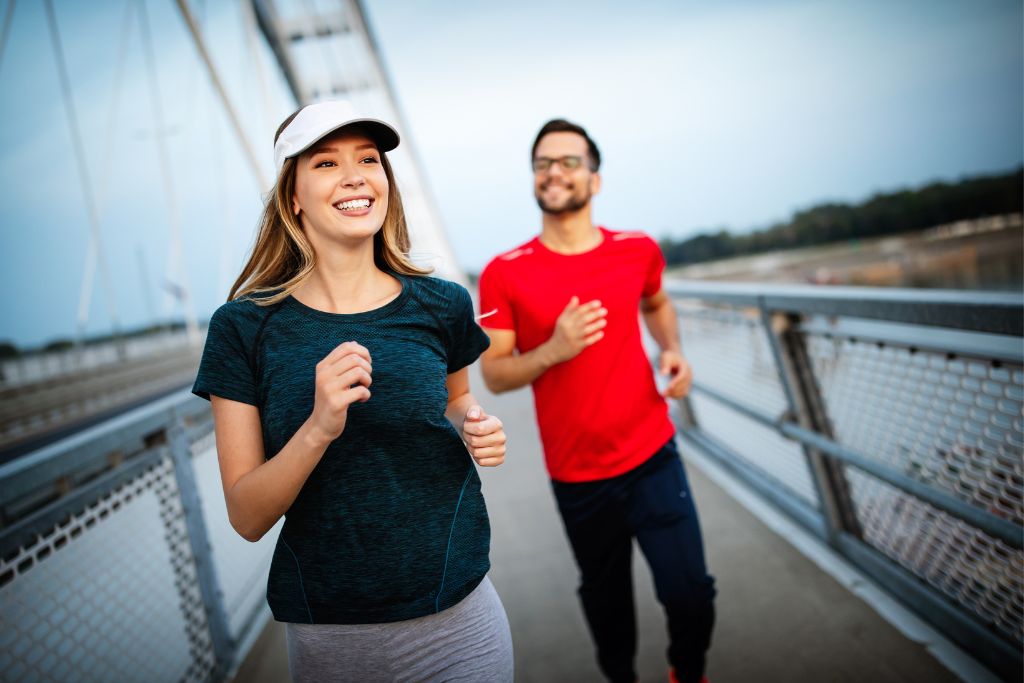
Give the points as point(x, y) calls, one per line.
point(341, 189)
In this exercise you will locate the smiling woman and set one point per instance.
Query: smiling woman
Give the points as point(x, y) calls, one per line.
point(386, 536)
point(284, 256)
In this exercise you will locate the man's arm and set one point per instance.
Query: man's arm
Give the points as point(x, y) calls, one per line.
point(660, 317)
point(578, 326)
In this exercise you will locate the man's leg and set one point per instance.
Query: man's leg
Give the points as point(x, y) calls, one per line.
point(598, 529)
point(665, 522)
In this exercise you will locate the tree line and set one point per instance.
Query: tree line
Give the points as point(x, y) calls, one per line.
point(883, 214)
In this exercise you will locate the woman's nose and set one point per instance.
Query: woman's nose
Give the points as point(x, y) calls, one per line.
point(352, 177)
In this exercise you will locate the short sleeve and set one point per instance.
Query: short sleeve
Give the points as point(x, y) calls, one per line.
point(495, 304)
point(656, 266)
point(466, 341)
point(225, 369)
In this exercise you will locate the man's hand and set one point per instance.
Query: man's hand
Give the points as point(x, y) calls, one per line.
point(672, 364)
point(484, 436)
point(578, 326)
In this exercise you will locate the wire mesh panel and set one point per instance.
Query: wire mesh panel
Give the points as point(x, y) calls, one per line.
point(949, 422)
point(730, 354)
point(952, 423)
point(110, 594)
point(241, 566)
point(972, 568)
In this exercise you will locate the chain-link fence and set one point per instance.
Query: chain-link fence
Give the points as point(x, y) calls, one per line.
point(890, 423)
point(117, 562)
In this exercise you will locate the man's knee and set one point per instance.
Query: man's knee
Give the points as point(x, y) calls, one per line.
point(689, 595)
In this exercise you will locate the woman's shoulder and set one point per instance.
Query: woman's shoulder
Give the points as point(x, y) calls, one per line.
point(438, 289)
point(448, 302)
point(244, 313)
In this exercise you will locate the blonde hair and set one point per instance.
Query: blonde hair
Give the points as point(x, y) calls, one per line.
point(282, 256)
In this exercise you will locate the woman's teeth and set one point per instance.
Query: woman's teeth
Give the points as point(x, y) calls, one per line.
point(353, 204)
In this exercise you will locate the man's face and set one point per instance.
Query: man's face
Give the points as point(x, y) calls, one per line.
point(559, 189)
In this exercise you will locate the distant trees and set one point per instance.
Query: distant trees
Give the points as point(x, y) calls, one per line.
point(883, 214)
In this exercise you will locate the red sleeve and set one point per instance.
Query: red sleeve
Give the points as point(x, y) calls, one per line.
point(495, 304)
point(652, 280)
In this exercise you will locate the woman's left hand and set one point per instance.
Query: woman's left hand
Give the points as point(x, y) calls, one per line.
point(484, 436)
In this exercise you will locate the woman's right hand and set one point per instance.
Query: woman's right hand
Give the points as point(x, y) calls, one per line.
point(342, 378)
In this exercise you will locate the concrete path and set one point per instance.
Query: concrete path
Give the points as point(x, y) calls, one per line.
point(780, 617)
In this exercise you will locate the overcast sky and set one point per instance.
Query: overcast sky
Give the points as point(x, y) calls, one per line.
point(725, 114)
point(708, 114)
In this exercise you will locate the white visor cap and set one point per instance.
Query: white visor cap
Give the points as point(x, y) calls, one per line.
point(316, 121)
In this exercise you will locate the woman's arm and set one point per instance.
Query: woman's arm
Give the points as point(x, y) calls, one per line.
point(257, 491)
point(484, 434)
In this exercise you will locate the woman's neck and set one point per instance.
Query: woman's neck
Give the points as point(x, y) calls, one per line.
point(347, 281)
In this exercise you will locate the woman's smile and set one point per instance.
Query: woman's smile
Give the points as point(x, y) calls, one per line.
point(355, 206)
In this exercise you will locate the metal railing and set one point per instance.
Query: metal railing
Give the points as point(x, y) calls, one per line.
point(886, 421)
point(889, 422)
point(117, 561)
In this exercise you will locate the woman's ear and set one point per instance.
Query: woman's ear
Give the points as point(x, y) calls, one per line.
point(295, 205)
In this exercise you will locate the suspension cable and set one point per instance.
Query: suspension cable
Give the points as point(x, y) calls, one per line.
point(197, 38)
point(85, 300)
point(175, 262)
point(6, 30)
point(83, 170)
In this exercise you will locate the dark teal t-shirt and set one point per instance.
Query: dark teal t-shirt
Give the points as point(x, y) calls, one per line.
point(391, 524)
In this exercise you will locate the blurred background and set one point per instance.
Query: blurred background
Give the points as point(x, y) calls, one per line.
point(782, 124)
point(783, 143)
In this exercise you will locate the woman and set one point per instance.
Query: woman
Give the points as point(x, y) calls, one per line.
point(338, 378)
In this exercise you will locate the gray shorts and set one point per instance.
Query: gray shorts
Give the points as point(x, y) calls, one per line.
point(470, 641)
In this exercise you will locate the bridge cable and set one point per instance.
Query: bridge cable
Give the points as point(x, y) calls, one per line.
point(88, 276)
point(249, 16)
point(175, 265)
point(83, 170)
point(6, 30)
point(197, 38)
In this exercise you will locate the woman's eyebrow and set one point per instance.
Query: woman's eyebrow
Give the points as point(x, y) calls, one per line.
point(327, 149)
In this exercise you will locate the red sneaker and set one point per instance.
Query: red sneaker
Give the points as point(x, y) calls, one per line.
point(672, 677)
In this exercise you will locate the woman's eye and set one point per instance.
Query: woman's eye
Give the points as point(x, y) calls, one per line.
point(325, 163)
point(370, 160)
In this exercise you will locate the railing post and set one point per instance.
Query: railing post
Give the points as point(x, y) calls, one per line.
point(803, 396)
point(213, 597)
point(687, 416)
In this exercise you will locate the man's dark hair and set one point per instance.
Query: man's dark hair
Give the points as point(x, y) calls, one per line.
point(563, 126)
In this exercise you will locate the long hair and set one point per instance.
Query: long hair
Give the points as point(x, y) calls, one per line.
point(282, 257)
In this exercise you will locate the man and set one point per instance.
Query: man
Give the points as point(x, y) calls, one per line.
point(561, 311)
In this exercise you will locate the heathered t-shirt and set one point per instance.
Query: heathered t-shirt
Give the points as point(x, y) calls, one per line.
point(391, 523)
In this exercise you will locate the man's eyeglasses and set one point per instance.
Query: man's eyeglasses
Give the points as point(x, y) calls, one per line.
point(568, 163)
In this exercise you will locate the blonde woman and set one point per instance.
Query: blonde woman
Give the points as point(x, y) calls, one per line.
point(337, 373)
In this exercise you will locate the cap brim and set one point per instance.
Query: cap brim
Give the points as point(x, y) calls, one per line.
point(384, 136)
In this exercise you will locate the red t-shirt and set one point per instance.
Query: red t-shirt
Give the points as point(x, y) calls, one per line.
point(600, 414)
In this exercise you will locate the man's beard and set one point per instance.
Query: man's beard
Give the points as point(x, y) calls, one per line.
point(574, 203)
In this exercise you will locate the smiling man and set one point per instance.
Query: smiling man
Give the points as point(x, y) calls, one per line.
point(562, 315)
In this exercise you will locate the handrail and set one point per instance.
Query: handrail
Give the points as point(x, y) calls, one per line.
point(1010, 533)
point(968, 344)
point(993, 312)
point(88, 452)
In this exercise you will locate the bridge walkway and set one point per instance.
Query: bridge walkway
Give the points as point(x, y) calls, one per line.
point(781, 617)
